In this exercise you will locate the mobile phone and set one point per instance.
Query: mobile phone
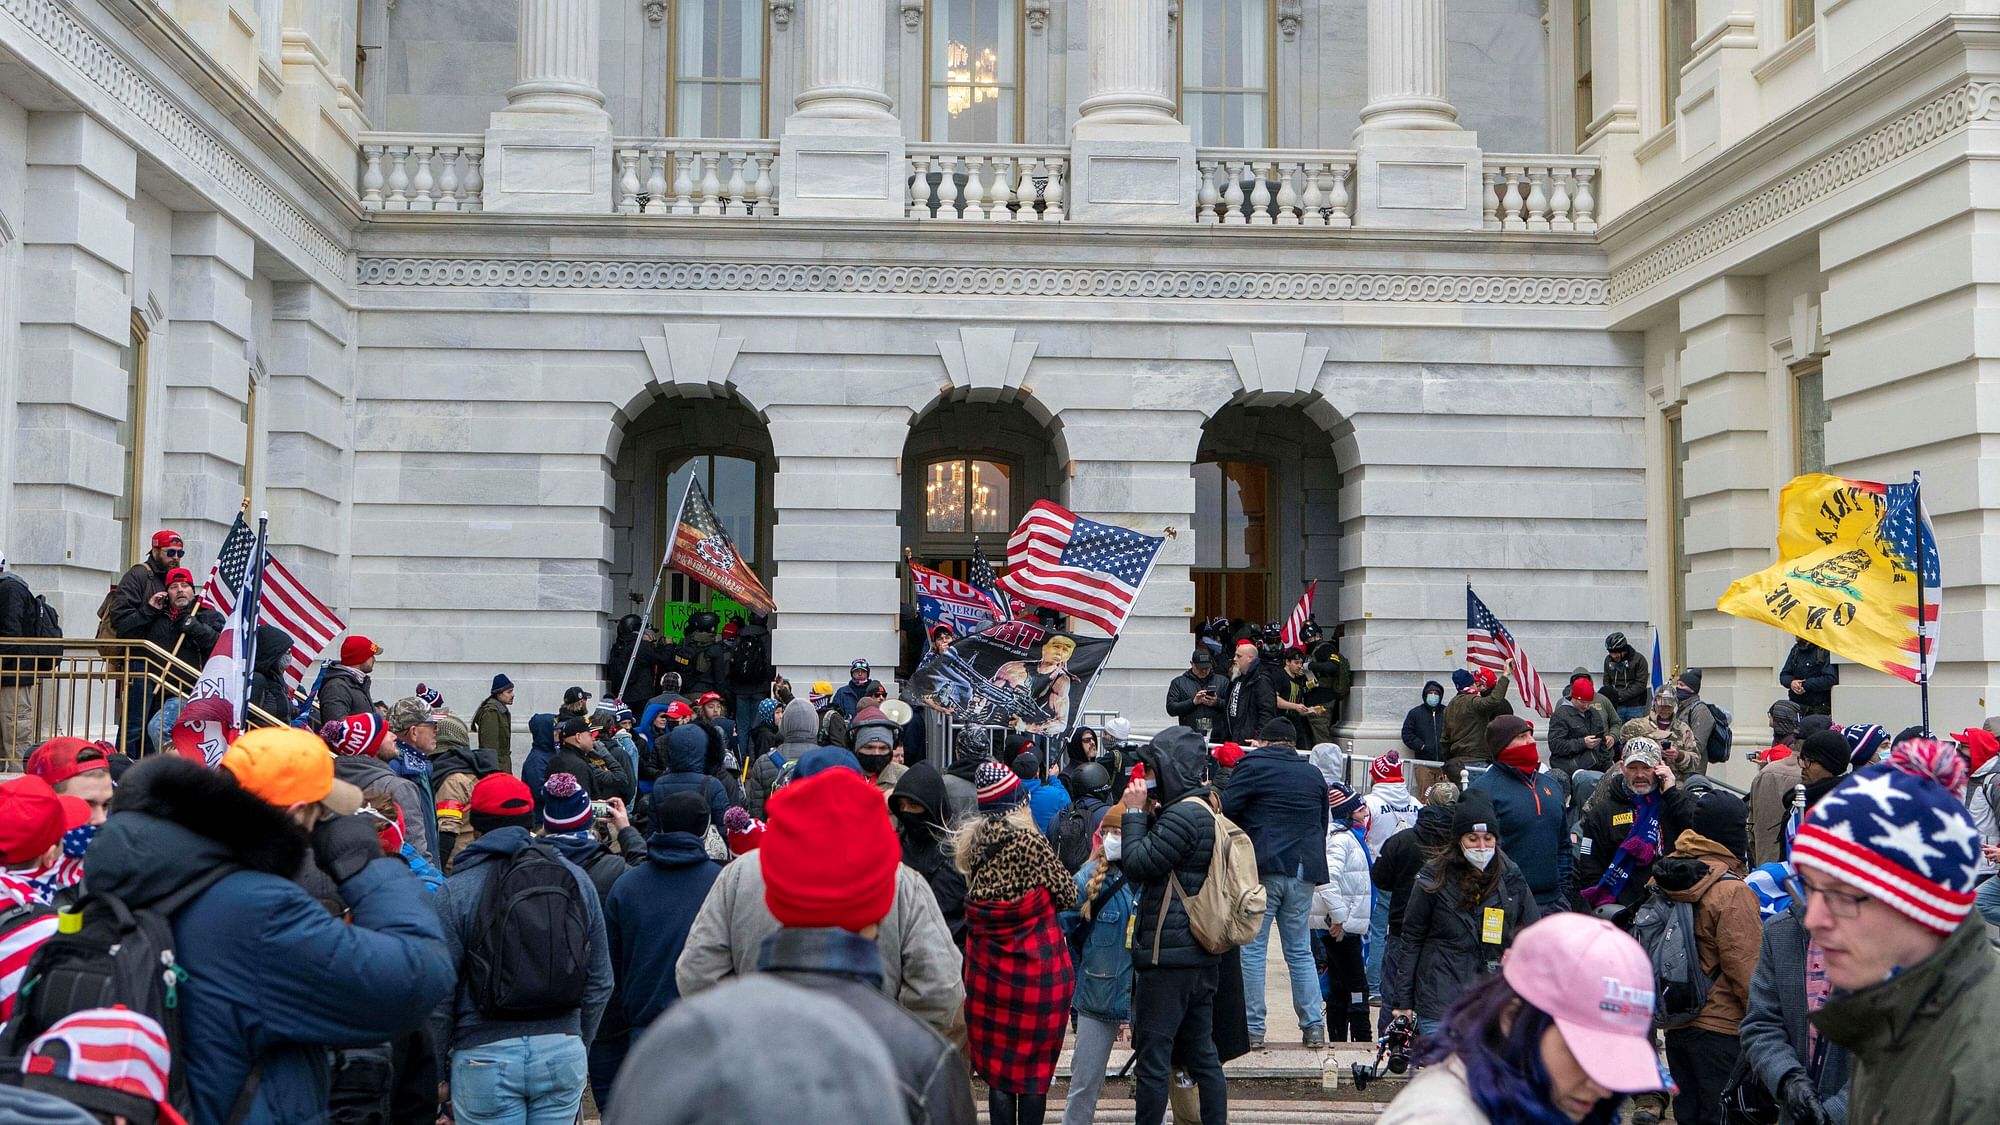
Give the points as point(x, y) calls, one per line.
point(600, 809)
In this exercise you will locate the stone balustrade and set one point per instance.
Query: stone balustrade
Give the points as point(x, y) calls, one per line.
point(412, 172)
point(988, 183)
point(1539, 193)
point(696, 177)
point(1275, 188)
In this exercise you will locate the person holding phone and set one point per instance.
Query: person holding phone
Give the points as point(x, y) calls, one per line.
point(1632, 821)
point(1194, 698)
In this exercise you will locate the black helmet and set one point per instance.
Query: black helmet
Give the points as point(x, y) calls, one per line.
point(1614, 642)
point(1091, 779)
point(703, 622)
point(629, 623)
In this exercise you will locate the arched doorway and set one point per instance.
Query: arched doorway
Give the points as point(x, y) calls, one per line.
point(1267, 515)
point(724, 445)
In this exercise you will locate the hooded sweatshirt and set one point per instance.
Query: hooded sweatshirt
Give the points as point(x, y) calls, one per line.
point(687, 751)
point(925, 849)
point(1423, 727)
point(1404, 854)
point(798, 730)
point(1391, 808)
point(647, 916)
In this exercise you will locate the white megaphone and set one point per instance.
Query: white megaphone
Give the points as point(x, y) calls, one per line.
point(897, 711)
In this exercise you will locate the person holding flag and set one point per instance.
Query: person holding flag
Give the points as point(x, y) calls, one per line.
point(213, 714)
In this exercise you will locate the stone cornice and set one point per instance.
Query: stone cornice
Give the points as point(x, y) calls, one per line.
point(105, 68)
point(984, 281)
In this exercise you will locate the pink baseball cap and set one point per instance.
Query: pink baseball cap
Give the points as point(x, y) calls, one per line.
point(1597, 984)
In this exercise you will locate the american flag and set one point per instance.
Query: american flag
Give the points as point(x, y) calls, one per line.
point(1090, 570)
point(1488, 644)
point(286, 602)
point(1291, 634)
point(981, 575)
point(213, 713)
point(1906, 534)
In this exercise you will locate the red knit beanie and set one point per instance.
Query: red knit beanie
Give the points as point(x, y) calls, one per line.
point(830, 853)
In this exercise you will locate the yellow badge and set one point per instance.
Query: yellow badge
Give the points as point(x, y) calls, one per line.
point(1621, 818)
point(1489, 930)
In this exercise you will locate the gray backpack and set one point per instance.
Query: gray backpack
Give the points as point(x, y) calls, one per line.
point(1665, 929)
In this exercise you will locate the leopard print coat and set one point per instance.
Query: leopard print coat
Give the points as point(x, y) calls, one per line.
point(1014, 860)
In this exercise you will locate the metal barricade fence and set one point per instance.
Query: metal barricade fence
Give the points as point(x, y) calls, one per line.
point(84, 687)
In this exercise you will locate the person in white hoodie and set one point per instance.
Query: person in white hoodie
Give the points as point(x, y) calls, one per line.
point(1341, 907)
point(1391, 809)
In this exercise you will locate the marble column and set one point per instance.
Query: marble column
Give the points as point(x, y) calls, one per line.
point(1131, 160)
point(842, 154)
point(205, 378)
point(1406, 67)
point(549, 150)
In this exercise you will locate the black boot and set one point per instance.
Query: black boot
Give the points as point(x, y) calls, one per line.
point(1002, 1108)
point(1031, 1108)
point(1358, 1030)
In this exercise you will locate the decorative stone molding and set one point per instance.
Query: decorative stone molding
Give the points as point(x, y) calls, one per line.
point(656, 11)
point(1290, 14)
point(692, 358)
point(108, 71)
point(983, 281)
point(1277, 368)
point(1036, 12)
point(1917, 128)
point(781, 14)
point(913, 14)
point(1807, 341)
point(986, 362)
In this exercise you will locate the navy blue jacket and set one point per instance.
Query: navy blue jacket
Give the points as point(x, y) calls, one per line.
point(271, 974)
point(648, 915)
point(687, 752)
point(1533, 830)
point(1279, 798)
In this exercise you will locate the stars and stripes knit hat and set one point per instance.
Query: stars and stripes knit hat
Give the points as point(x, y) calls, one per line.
point(997, 787)
point(108, 1060)
point(359, 733)
point(565, 806)
point(1900, 835)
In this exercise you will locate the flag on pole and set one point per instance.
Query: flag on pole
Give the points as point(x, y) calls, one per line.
point(285, 601)
point(1292, 633)
point(1488, 644)
point(702, 550)
point(212, 716)
point(944, 600)
point(988, 584)
point(1091, 570)
point(1903, 523)
point(1659, 670)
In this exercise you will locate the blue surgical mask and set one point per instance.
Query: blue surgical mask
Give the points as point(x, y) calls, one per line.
point(1432, 699)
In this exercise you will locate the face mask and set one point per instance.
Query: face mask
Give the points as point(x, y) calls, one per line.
point(1683, 693)
point(1478, 857)
point(1114, 847)
point(1432, 699)
point(874, 763)
point(913, 823)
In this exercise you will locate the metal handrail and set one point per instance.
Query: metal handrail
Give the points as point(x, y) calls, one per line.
point(78, 685)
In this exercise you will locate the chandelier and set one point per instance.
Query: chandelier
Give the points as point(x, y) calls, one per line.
point(969, 81)
point(955, 496)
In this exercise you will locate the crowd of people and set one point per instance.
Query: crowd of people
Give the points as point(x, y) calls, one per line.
point(385, 913)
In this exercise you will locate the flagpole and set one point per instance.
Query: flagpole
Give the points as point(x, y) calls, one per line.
point(1923, 624)
point(247, 645)
point(659, 576)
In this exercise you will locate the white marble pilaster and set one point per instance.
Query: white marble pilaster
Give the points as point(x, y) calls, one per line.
point(307, 407)
point(1133, 161)
point(205, 376)
point(1406, 67)
point(549, 150)
point(1615, 81)
point(1719, 98)
point(841, 155)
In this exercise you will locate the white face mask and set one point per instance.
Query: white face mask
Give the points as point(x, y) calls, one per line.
point(1478, 857)
point(1113, 848)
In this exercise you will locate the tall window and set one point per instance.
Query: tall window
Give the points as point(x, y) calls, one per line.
point(1580, 53)
point(132, 439)
point(718, 68)
point(1678, 610)
point(1677, 47)
point(1232, 539)
point(1798, 16)
point(1810, 415)
point(968, 497)
point(974, 63)
point(735, 487)
point(249, 475)
point(1226, 72)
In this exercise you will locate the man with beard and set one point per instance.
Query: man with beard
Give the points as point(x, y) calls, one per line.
point(1632, 821)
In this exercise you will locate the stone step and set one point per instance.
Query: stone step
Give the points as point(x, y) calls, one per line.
point(1242, 1111)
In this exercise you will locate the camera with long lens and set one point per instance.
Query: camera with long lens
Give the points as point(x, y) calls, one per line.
point(1392, 1052)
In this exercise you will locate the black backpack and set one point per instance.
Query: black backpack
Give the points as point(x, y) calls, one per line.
point(39, 619)
point(1665, 929)
point(1070, 834)
point(1721, 737)
point(110, 954)
point(529, 954)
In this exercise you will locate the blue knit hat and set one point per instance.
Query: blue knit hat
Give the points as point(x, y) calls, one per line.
point(1899, 835)
point(565, 806)
point(431, 696)
point(500, 683)
point(822, 758)
point(1865, 741)
point(1461, 679)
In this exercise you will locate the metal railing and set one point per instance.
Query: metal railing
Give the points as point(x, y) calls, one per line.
point(87, 688)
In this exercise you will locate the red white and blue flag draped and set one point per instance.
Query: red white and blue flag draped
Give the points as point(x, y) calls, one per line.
point(213, 713)
point(1904, 521)
point(944, 600)
point(285, 601)
point(1292, 633)
point(1089, 570)
point(1489, 645)
point(983, 579)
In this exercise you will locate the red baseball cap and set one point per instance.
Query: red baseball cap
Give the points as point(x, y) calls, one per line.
point(180, 574)
point(709, 697)
point(679, 712)
point(31, 819)
point(62, 758)
point(166, 537)
point(502, 794)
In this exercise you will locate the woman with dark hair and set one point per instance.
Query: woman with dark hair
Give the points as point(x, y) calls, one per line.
point(1561, 1034)
point(1468, 904)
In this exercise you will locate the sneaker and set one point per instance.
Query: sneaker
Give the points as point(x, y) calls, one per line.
point(1256, 1040)
point(1645, 1117)
point(1316, 1035)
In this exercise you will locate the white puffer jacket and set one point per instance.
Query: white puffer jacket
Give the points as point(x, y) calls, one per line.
point(1345, 900)
point(1391, 808)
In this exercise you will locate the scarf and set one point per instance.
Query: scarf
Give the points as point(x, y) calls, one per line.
point(411, 762)
point(1641, 848)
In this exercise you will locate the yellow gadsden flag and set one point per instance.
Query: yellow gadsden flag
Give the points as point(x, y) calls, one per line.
point(1840, 580)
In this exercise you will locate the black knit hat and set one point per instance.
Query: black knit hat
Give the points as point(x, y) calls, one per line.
point(1723, 817)
point(1278, 730)
point(1473, 813)
point(1829, 749)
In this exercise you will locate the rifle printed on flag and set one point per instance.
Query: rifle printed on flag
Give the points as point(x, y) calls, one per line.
point(212, 716)
point(284, 601)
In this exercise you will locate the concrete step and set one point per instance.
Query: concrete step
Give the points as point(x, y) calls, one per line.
point(1242, 1111)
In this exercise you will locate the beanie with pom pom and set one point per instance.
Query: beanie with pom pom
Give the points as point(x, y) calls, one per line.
point(1896, 831)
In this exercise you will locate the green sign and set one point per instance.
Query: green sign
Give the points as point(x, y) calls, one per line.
point(674, 615)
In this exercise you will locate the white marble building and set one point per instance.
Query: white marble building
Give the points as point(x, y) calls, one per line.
point(1548, 294)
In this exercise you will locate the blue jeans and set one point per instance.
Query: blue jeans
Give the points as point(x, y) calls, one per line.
point(1988, 901)
point(1627, 714)
point(1289, 900)
point(746, 717)
point(537, 1080)
point(1378, 941)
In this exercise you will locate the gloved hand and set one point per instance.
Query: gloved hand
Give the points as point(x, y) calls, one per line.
point(1802, 1104)
point(343, 845)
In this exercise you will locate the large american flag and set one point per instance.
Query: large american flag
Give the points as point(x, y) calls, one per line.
point(1906, 533)
point(1087, 569)
point(1488, 644)
point(1292, 633)
point(285, 603)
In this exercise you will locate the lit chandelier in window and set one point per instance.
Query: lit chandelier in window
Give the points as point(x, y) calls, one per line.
point(969, 81)
point(956, 495)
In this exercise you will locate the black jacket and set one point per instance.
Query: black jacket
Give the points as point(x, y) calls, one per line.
point(1440, 955)
point(1179, 841)
point(1568, 727)
point(189, 635)
point(1279, 799)
point(645, 678)
point(344, 691)
point(1181, 704)
point(1423, 727)
point(602, 779)
point(925, 851)
point(1813, 664)
point(603, 865)
point(20, 616)
point(1404, 854)
point(131, 609)
point(268, 687)
point(1608, 821)
point(1251, 701)
point(1627, 682)
point(1332, 674)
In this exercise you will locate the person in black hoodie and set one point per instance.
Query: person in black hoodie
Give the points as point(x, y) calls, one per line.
point(1252, 698)
point(960, 792)
point(1423, 727)
point(1394, 872)
point(1175, 980)
point(918, 805)
point(268, 688)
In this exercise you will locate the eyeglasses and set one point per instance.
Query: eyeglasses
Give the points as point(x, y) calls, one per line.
point(174, 552)
point(1840, 904)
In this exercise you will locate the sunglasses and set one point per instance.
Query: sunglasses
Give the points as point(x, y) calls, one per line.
point(175, 552)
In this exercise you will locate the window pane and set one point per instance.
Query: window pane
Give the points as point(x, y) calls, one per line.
point(990, 498)
point(719, 40)
point(1581, 55)
point(1801, 17)
point(1208, 515)
point(944, 496)
point(1225, 71)
point(734, 498)
point(972, 70)
point(1678, 39)
point(1812, 418)
point(1246, 508)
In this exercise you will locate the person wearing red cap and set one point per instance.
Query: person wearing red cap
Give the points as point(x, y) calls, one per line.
point(144, 587)
point(32, 823)
point(831, 860)
point(1481, 698)
point(77, 768)
point(1579, 738)
point(347, 688)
